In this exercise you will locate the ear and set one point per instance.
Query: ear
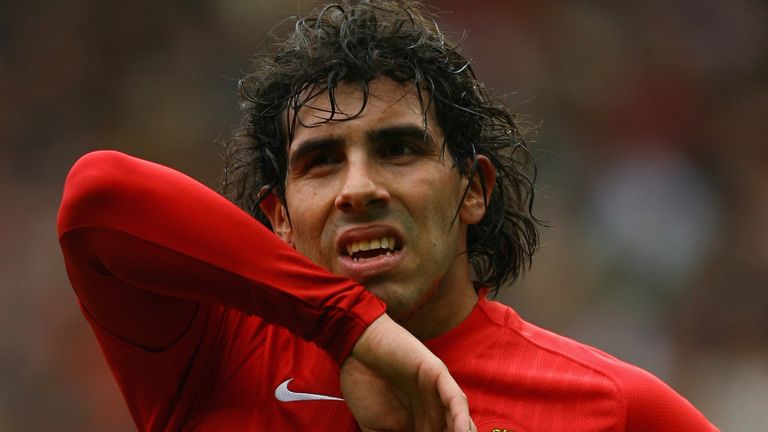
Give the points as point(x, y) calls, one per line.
point(475, 201)
point(275, 211)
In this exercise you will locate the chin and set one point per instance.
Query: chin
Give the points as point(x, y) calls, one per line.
point(386, 293)
point(400, 300)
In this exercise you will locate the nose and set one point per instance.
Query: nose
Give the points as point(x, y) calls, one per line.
point(361, 190)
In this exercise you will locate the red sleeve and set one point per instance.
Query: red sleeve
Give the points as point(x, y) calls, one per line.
point(145, 245)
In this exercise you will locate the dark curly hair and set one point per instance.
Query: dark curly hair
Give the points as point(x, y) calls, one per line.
point(355, 43)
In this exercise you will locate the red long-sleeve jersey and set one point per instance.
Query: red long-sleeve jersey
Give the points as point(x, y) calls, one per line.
point(211, 322)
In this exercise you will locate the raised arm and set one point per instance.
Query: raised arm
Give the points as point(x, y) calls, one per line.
point(145, 244)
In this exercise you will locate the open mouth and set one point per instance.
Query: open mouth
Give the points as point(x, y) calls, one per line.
point(364, 250)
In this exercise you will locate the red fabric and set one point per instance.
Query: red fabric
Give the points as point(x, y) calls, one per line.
point(202, 313)
point(186, 293)
point(523, 378)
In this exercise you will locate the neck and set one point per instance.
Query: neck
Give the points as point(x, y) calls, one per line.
point(442, 310)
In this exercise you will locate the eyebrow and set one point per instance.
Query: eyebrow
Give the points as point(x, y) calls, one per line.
point(406, 131)
point(411, 132)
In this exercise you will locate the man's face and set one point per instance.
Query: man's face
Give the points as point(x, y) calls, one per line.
point(370, 198)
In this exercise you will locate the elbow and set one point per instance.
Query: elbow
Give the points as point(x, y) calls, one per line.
point(94, 190)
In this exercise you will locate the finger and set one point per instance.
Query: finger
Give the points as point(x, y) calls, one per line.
point(472, 427)
point(463, 427)
point(456, 405)
point(434, 410)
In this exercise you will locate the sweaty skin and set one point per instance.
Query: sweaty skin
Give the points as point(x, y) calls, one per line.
point(379, 178)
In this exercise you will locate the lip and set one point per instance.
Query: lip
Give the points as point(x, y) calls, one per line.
point(362, 270)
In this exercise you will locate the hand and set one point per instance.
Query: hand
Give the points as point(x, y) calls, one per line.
point(392, 382)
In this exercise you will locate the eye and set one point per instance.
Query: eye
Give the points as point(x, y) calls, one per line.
point(318, 163)
point(395, 149)
point(320, 160)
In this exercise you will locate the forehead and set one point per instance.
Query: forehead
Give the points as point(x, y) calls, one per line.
point(350, 109)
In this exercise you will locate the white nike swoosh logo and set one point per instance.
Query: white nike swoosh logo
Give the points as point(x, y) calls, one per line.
point(283, 394)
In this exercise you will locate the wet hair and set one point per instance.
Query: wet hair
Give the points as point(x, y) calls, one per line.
point(354, 43)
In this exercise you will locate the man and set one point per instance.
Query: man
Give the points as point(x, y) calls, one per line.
point(371, 150)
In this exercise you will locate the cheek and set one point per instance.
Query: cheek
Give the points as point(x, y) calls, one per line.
point(312, 204)
point(441, 199)
point(433, 210)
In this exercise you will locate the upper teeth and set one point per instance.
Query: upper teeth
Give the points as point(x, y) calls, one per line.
point(364, 245)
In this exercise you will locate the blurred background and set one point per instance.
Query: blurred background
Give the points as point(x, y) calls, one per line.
point(647, 121)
